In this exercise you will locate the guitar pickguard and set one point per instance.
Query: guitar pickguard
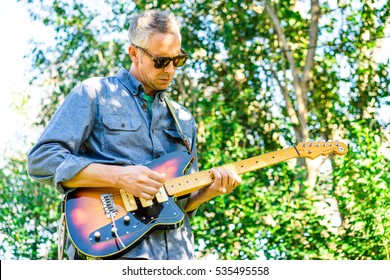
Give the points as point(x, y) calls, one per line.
point(107, 222)
point(134, 224)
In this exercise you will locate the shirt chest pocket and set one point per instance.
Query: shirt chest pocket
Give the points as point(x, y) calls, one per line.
point(122, 136)
point(120, 123)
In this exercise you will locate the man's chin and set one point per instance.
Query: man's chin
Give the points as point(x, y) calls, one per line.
point(163, 86)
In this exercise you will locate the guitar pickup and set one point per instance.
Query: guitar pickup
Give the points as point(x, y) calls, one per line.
point(128, 201)
point(162, 196)
point(146, 203)
point(131, 204)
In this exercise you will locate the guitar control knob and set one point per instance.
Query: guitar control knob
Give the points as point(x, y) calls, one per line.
point(126, 219)
point(97, 236)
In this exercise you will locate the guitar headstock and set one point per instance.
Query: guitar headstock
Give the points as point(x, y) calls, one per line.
point(321, 148)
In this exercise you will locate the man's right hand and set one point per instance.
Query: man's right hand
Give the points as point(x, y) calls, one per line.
point(137, 180)
point(140, 181)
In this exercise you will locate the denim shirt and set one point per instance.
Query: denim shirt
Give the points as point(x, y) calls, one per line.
point(106, 120)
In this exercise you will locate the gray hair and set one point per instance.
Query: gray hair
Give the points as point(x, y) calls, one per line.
point(146, 23)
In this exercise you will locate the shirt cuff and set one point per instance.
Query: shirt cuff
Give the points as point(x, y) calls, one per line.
point(68, 169)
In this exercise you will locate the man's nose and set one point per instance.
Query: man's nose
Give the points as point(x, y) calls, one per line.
point(170, 68)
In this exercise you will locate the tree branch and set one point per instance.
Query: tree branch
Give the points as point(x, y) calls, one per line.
point(313, 36)
point(289, 105)
point(301, 102)
point(282, 39)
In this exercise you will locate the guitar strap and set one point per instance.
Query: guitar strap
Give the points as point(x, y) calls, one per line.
point(169, 104)
point(61, 232)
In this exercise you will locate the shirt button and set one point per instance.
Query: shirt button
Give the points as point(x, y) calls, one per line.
point(158, 155)
point(123, 124)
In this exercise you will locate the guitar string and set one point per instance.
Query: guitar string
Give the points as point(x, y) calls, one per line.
point(202, 178)
point(177, 183)
point(194, 180)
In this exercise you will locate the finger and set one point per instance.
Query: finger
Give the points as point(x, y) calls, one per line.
point(217, 177)
point(150, 183)
point(156, 176)
point(152, 178)
point(146, 196)
point(232, 180)
point(223, 180)
point(229, 176)
point(238, 180)
point(150, 190)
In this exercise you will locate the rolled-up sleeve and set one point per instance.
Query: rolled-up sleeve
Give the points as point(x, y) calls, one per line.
point(54, 158)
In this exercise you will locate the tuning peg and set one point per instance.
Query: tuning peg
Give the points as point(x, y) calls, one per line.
point(341, 149)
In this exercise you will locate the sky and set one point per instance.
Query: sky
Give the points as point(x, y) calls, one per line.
point(17, 29)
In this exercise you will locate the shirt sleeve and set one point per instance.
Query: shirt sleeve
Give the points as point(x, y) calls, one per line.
point(54, 158)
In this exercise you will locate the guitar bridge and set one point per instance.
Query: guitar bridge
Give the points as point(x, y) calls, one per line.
point(108, 205)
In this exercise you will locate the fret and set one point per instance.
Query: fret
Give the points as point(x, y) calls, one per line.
point(268, 158)
point(274, 157)
point(287, 153)
point(261, 162)
point(188, 183)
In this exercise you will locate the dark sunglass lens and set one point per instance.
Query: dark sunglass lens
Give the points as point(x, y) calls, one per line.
point(157, 64)
point(162, 62)
point(179, 61)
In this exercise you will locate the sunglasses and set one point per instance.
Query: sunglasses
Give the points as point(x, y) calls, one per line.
point(163, 61)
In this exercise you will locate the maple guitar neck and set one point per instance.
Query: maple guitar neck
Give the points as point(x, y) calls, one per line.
point(189, 183)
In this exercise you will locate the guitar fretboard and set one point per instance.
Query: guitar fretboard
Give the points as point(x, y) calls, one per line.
point(189, 183)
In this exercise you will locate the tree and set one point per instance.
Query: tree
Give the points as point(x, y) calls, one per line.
point(29, 211)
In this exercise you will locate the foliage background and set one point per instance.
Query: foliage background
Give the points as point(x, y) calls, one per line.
point(263, 75)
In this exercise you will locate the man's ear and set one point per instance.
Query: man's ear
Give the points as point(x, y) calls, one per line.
point(132, 51)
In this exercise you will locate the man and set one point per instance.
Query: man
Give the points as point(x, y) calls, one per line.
point(107, 129)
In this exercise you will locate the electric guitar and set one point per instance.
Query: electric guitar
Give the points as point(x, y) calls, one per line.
point(105, 223)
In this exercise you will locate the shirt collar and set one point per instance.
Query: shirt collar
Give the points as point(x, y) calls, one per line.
point(130, 82)
point(133, 85)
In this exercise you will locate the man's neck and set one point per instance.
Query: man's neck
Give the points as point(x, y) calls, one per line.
point(148, 91)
